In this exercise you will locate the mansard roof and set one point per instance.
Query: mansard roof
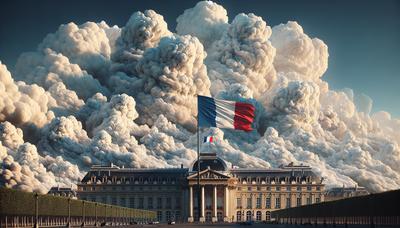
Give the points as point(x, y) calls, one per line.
point(114, 171)
point(284, 173)
point(210, 163)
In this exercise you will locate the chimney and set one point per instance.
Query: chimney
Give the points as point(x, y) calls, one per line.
point(181, 166)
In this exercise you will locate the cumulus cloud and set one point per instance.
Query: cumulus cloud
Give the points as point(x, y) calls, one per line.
point(99, 94)
point(207, 21)
point(48, 68)
point(243, 55)
point(21, 103)
point(86, 45)
point(297, 52)
point(172, 75)
point(142, 31)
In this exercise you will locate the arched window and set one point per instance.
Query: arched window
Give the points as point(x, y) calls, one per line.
point(238, 216)
point(248, 216)
point(258, 216)
point(268, 216)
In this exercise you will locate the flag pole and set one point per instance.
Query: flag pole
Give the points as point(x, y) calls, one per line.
point(198, 167)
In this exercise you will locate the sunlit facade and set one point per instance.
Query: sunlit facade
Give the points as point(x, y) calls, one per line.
point(228, 194)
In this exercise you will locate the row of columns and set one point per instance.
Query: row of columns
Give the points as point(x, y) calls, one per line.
point(215, 208)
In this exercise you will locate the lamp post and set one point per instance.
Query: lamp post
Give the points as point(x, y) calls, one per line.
point(69, 213)
point(36, 210)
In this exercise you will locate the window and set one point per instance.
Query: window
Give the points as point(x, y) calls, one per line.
point(168, 215)
point(278, 202)
point(298, 202)
point(132, 202)
point(248, 216)
point(258, 188)
point(268, 203)
point(298, 188)
point(249, 204)
point(114, 200)
point(159, 216)
point(308, 188)
point(288, 188)
point(258, 202)
point(104, 199)
point(318, 188)
point(238, 216)
point(268, 188)
point(248, 188)
point(268, 216)
point(309, 200)
point(238, 203)
point(258, 216)
point(317, 200)
point(141, 206)
point(159, 203)
point(278, 188)
point(168, 203)
point(150, 203)
point(239, 189)
point(287, 202)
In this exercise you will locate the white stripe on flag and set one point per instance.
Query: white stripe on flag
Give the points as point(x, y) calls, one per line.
point(225, 113)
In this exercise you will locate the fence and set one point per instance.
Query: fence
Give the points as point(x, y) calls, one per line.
point(22, 209)
point(374, 209)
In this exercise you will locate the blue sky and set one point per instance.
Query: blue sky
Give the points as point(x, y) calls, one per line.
point(363, 36)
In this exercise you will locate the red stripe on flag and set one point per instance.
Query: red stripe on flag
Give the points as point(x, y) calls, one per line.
point(211, 139)
point(244, 116)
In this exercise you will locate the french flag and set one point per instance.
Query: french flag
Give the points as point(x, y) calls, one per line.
point(208, 139)
point(224, 114)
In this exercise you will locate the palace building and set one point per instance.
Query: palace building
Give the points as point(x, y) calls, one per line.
point(227, 194)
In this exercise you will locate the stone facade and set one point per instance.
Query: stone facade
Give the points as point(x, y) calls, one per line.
point(65, 192)
point(344, 192)
point(228, 194)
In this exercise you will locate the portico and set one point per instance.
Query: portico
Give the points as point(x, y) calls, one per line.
point(215, 185)
point(214, 191)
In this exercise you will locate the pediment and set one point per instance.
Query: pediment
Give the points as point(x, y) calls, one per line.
point(209, 174)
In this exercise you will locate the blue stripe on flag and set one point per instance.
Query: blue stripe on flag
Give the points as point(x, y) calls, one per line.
point(207, 111)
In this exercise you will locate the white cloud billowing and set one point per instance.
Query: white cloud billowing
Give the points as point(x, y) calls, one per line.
point(96, 94)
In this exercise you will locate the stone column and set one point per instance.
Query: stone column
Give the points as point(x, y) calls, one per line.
point(190, 219)
point(215, 218)
point(203, 200)
point(226, 205)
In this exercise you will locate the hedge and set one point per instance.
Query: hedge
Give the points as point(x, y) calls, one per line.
point(14, 202)
point(379, 204)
